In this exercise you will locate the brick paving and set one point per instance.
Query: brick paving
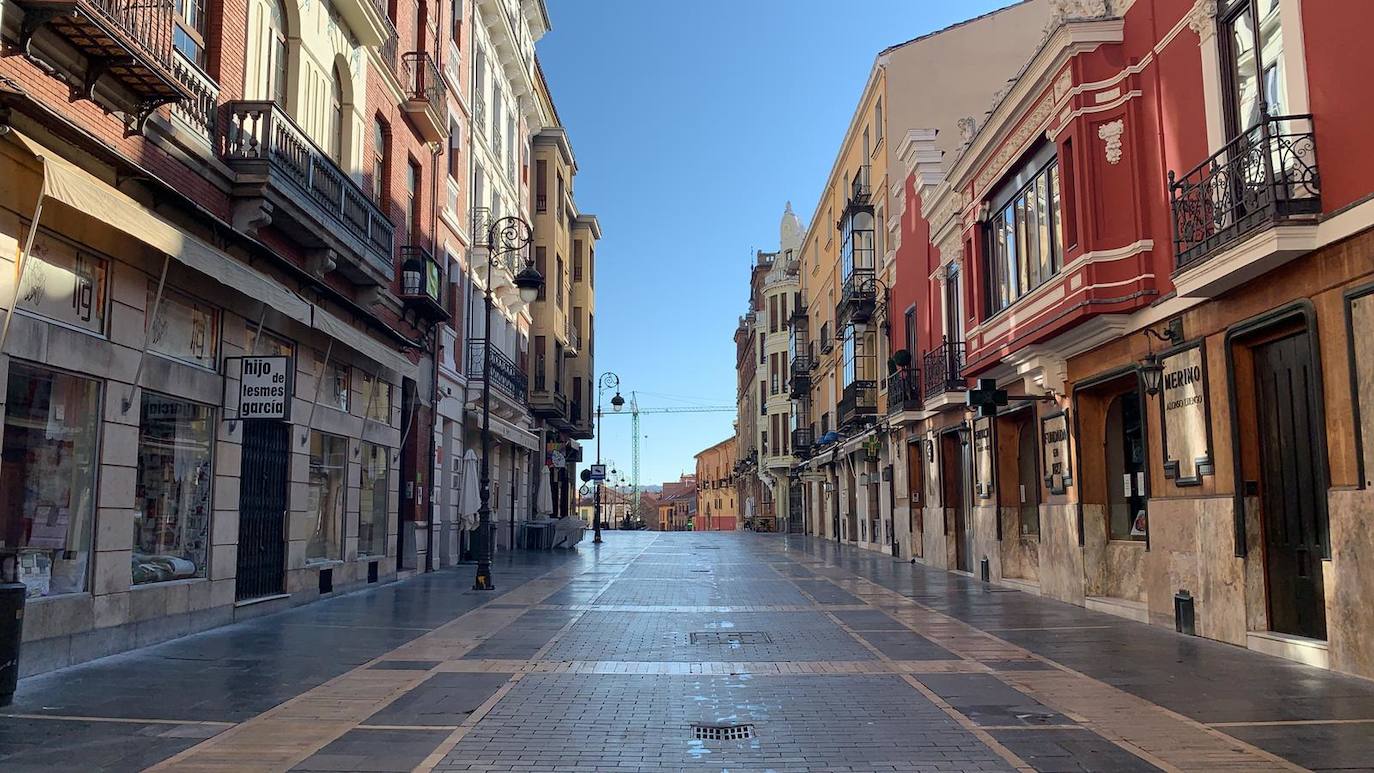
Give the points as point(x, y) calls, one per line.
point(825, 659)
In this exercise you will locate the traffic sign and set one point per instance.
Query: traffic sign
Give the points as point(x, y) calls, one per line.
point(598, 472)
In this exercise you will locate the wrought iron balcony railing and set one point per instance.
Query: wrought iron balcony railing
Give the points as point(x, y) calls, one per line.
point(799, 383)
point(904, 391)
point(827, 339)
point(506, 376)
point(422, 282)
point(261, 143)
point(390, 54)
point(857, 297)
point(860, 400)
point(943, 368)
point(1264, 176)
point(541, 202)
point(860, 192)
point(423, 82)
point(802, 440)
point(129, 41)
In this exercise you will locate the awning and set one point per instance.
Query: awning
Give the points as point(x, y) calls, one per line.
point(362, 343)
point(521, 437)
point(91, 196)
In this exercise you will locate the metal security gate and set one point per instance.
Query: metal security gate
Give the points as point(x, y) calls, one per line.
point(796, 512)
point(262, 509)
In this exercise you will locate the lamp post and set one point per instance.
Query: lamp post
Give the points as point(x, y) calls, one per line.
point(506, 236)
point(608, 380)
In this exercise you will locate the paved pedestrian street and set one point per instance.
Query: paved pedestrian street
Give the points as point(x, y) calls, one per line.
point(691, 651)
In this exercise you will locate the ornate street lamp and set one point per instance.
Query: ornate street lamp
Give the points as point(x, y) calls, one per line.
point(607, 381)
point(1152, 368)
point(507, 236)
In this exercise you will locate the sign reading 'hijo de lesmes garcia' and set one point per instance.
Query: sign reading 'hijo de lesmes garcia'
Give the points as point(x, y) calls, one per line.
point(264, 387)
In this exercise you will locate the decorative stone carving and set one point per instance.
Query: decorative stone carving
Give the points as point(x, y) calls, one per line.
point(320, 262)
point(1062, 11)
point(251, 214)
point(1013, 145)
point(1202, 18)
point(968, 127)
point(942, 274)
point(1110, 133)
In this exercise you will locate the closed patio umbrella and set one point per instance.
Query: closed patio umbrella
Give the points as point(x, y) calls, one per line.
point(471, 500)
point(543, 504)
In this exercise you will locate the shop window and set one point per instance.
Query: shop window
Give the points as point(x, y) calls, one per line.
point(1125, 465)
point(325, 508)
point(336, 387)
point(47, 494)
point(184, 329)
point(1023, 245)
point(372, 501)
point(172, 505)
point(267, 344)
point(64, 285)
point(376, 397)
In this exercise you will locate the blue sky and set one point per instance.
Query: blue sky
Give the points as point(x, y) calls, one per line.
point(693, 124)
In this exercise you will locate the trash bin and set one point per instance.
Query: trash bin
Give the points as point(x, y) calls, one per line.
point(1184, 615)
point(11, 628)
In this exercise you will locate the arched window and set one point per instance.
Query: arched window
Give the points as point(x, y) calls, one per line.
point(276, 53)
point(336, 119)
point(380, 154)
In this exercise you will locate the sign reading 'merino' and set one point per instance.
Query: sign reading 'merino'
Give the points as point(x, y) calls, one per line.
point(1184, 416)
point(264, 387)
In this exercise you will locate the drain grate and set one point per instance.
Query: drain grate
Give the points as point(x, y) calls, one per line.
point(732, 638)
point(703, 732)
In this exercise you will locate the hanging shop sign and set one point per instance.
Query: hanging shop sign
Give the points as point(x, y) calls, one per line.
point(1054, 439)
point(264, 388)
point(1184, 416)
point(982, 458)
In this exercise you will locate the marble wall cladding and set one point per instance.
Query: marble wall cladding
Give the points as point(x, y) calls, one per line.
point(1020, 554)
point(1350, 615)
point(1256, 600)
point(1061, 560)
point(948, 517)
point(936, 545)
point(1192, 548)
point(985, 542)
point(1112, 568)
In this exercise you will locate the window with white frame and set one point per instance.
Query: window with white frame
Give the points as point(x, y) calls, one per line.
point(1023, 244)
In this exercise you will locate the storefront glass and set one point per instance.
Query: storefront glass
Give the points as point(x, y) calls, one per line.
point(372, 501)
point(185, 328)
point(47, 491)
point(376, 396)
point(325, 510)
point(172, 506)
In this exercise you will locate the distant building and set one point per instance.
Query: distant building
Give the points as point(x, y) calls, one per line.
point(717, 502)
point(677, 506)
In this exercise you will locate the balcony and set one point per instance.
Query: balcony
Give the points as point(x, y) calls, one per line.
point(197, 111)
point(368, 20)
point(802, 440)
point(904, 391)
point(860, 191)
point(1263, 178)
point(799, 385)
point(282, 178)
point(860, 400)
point(506, 376)
point(549, 404)
point(858, 297)
point(479, 110)
point(943, 369)
point(426, 97)
point(422, 284)
point(827, 340)
point(123, 52)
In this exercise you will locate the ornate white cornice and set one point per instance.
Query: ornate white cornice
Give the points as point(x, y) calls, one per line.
point(1202, 19)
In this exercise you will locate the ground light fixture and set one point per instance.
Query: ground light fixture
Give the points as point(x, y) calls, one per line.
point(507, 237)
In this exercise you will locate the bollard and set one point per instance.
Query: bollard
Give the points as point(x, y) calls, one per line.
point(1184, 621)
point(11, 629)
point(985, 570)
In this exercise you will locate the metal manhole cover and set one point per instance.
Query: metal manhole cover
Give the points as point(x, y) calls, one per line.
point(732, 638)
point(703, 732)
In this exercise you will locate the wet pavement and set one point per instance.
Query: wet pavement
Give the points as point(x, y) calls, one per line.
point(691, 651)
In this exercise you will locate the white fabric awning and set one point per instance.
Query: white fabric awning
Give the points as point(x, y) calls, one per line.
point(507, 431)
point(362, 343)
point(89, 195)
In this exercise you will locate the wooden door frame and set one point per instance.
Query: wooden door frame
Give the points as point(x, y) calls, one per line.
point(1305, 312)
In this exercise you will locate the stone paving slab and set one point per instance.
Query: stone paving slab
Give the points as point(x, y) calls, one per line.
point(373, 751)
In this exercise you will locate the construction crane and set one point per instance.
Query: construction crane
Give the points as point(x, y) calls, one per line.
point(635, 410)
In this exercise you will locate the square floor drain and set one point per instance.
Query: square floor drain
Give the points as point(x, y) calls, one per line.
point(732, 638)
point(722, 732)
